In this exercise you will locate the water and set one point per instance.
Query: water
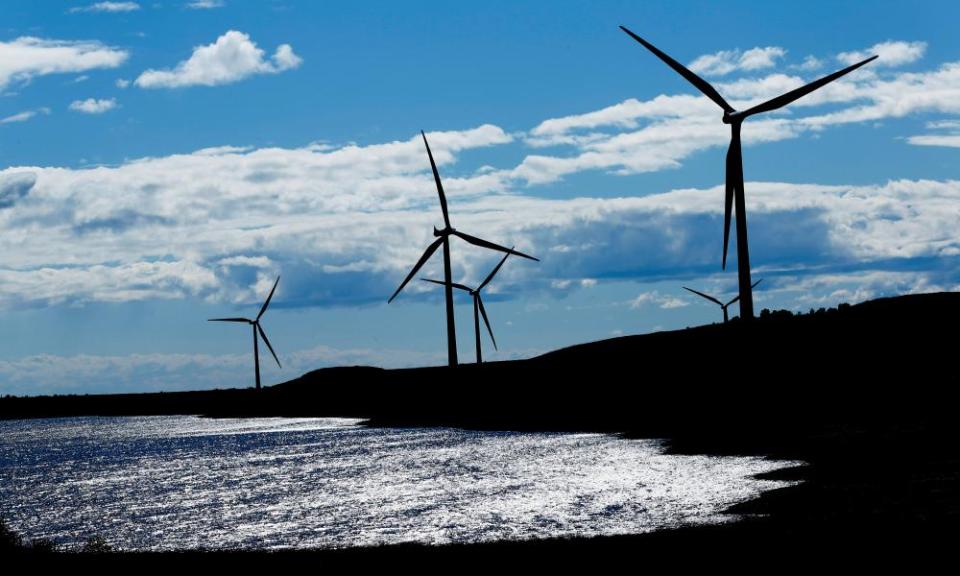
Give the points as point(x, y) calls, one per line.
point(182, 482)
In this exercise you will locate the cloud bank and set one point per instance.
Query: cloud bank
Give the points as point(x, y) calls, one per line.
point(344, 222)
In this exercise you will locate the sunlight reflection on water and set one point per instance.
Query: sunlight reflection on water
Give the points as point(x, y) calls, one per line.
point(183, 482)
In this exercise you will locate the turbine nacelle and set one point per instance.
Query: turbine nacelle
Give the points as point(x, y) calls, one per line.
point(734, 181)
point(734, 117)
point(478, 309)
point(257, 330)
point(442, 236)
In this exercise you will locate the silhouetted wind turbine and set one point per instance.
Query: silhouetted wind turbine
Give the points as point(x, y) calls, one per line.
point(255, 323)
point(734, 185)
point(478, 309)
point(721, 304)
point(443, 238)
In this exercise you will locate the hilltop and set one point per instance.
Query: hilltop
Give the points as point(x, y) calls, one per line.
point(850, 362)
point(862, 394)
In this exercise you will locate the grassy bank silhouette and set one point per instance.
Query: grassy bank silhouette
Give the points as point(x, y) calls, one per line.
point(861, 393)
point(849, 364)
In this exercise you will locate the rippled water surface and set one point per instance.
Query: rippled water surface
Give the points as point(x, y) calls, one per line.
point(176, 482)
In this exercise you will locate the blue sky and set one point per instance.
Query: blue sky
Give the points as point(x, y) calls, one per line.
point(162, 162)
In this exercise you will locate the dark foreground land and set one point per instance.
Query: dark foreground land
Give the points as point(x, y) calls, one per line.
point(864, 394)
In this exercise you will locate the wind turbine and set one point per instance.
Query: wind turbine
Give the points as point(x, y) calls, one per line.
point(443, 239)
point(478, 309)
point(734, 187)
point(255, 323)
point(721, 304)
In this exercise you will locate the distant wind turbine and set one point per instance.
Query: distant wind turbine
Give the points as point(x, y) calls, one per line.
point(478, 309)
point(734, 187)
point(443, 238)
point(255, 323)
point(721, 304)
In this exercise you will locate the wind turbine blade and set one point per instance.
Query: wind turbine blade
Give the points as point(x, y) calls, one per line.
point(732, 301)
point(754, 285)
point(426, 256)
point(702, 295)
point(728, 201)
point(491, 246)
point(436, 177)
point(267, 303)
point(229, 320)
point(701, 84)
point(486, 321)
point(267, 342)
point(442, 283)
point(738, 170)
point(494, 271)
point(783, 100)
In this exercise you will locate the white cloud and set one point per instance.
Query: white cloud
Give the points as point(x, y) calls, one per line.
point(344, 223)
point(727, 61)
point(661, 143)
point(164, 227)
point(14, 186)
point(944, 124)
point(285, 59)
point(626, 114)
point(112, 283)
point(253, 261)
point(25, 115)
point(951, 139)
point(948, 140)
point(93, 105)
point(26, 58)
point(638, 136)
point(357, 217)
point(760, 58)
point(810, 63)
point(890, 53)
point(831, 288)
point(206, 4)
point(906, 93)
point(231, 58)
point(353, 219)
point(122, 83)
point(108, 7)
point(664, 301)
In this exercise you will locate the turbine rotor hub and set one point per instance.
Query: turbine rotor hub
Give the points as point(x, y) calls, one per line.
point(732, 117)
point(445, 232)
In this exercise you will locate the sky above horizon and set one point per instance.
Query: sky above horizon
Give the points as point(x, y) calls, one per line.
point(162, 163)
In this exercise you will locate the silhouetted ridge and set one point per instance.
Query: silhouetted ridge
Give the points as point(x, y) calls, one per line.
point(863, 394)
point(855, 361)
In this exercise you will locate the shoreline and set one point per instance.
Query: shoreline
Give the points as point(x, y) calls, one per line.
point(840, 506)
point(863, 394)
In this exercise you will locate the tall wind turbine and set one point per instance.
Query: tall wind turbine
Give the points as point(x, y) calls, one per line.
point(721, 304)
point(255, 324)
point(443, 239)
point(478, 309)
point(734, 187)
